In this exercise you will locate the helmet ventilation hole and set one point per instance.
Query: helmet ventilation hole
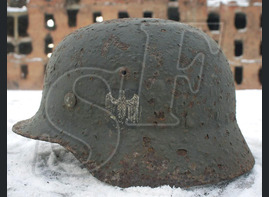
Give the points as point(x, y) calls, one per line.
point(123, 72)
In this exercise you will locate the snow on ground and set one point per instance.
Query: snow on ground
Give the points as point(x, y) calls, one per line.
point(37, 168)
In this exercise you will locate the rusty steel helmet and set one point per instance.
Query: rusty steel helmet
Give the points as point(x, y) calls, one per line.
point(143, 102)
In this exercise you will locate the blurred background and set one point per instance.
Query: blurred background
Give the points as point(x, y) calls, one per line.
point(35, 27)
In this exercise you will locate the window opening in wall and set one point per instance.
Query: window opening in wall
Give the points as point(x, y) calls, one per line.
point(24, 71)
point(238, 48)
point(71, 2)
point(213, 21)
point(17, 3)
point(72, 17)
point(23, 25)
point(260, 75)
point(25, 48)
point(10, 26)
point(238, 75)
point(10, 47)
point(240, 21)
point(261, 21)
point(123, 15)
point(97, 17)
point(173, 13)
point(45, 67)
point(48, 45)
point(50, 22)
point(147, 14)
point(261, 48)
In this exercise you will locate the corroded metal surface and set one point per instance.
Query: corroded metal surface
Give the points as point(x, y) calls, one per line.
point(150, 102)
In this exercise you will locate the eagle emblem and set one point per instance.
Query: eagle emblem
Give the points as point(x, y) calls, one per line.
point(122, 109)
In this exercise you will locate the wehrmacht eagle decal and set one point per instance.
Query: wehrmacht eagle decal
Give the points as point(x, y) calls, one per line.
point(122, 109)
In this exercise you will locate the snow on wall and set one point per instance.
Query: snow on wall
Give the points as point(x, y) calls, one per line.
point(216, 3)
point(37, 168)
point(16, 9)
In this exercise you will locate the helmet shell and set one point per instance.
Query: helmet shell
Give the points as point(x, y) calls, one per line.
point(143, 102)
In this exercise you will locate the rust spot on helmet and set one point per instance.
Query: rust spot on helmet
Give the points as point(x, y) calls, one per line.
point(151, 101)
point(146, 141)
point(159, 115)
point(181, 152)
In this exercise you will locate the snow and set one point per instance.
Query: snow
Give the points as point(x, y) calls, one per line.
point(216, 3)
point(37, 168)
point(16, 9)
point(250, 60)
point(246, 61)
point(257, 4)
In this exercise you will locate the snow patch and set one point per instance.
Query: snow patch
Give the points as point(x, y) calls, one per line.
point(250, 60)
point(216, 3)
point(16, 9)
point(257, 4)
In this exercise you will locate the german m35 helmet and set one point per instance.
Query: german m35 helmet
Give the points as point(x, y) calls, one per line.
point(142, 102)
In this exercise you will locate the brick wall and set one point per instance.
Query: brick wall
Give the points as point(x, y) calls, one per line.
point(246, 66)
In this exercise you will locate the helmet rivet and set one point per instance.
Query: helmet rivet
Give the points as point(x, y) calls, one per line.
point(70, 100)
